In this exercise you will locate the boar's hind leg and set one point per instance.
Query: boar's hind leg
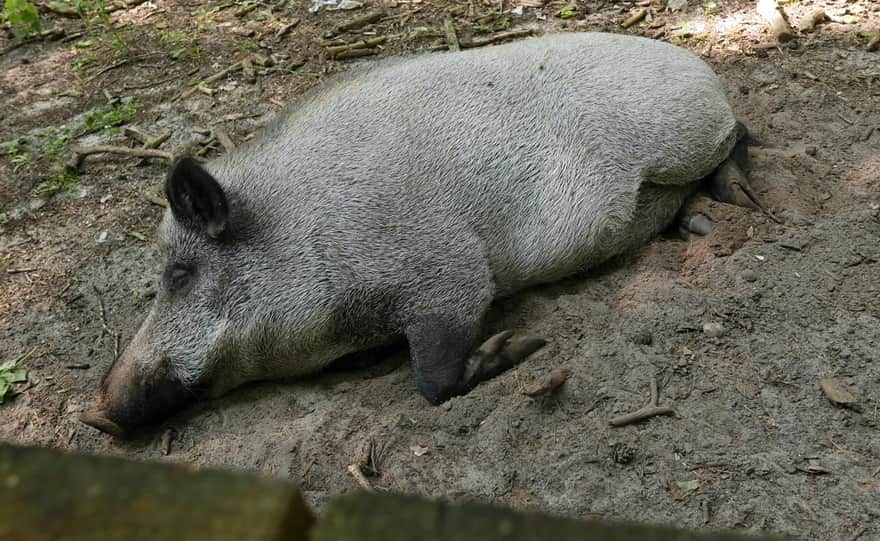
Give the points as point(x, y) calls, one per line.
point(445, 363)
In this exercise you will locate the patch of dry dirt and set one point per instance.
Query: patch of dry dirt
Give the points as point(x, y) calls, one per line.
point(798, 302)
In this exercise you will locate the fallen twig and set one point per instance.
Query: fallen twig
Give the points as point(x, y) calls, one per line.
point(156, 200)
point(635, 18)
point(245, 9)
point(337, 50)
point(773, 15)
point(284, 30)
point(495, 38)
point(358, 22)
point(20, 270)
point(355, 53)
point(79, 154)
point(640, 415)
point(651, 410)
point(451, 36)
point(208, 80)
point(224, 139)
point(122, 62)
point(359, 476)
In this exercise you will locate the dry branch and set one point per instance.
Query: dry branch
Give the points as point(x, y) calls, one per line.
point(635, 18)
point(284, 30)
point(644, 413)
point(79, 154)
point(208, 80)
point(337, 50)
point(451, 36)
point(359, 22)
point(495, 38)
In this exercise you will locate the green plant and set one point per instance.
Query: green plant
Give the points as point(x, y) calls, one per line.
point(63, 181)
point(12, 373)
point(505, 23)
point(23, 17)
point(4, 219)
point(568, 12)
point(710, 7)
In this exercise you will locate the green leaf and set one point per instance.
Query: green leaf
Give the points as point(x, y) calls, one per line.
point(19, 375)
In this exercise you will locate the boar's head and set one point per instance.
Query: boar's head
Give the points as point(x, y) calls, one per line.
point(218, 319)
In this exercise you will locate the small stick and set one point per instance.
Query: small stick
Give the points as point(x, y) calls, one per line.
point(358, 475)
point(363, 44)
point(216, 77)
point(24, 269)
point(640, 415)
point(284, 30)
point(874, 44)
point(773, 15)
point(245, 9)
point(80, 153)
point(451, 36)
point(156, 200)
point(135, 133)
point(224, 139)
point(500, 36)
point(81, 366)
point(359, 22)
point(651, 410)
point(355, 53)
point(156, 141)
point(635, 18)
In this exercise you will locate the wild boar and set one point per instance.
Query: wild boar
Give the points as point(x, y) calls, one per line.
point(398, 200)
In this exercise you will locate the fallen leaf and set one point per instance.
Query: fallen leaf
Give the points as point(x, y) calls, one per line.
point(682, 489)
point(837, 394)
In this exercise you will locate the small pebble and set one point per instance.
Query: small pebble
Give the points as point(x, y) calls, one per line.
point(713, 330)
point(748, 275)
point(811, 151)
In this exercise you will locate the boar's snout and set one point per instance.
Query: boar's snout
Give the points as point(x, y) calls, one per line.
point(129, 398)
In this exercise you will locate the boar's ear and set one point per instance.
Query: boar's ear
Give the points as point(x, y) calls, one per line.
point(195, 197)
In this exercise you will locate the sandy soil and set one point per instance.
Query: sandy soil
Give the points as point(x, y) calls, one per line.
point(754, 444)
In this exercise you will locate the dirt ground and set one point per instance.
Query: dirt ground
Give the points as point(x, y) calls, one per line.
point(754, 445)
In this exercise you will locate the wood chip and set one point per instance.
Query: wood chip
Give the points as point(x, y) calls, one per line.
point(548, 384)
point(635, 18)
point(451, 36)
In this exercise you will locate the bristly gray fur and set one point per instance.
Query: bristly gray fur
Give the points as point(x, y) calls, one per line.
point(431, 185)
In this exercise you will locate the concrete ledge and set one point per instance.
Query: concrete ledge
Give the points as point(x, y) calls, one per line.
point(50, 495)
point(386, 517)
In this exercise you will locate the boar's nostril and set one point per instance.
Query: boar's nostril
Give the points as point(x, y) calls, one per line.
point(102, 423)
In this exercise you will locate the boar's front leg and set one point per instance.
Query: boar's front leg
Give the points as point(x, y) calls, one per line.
point(445, 363)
